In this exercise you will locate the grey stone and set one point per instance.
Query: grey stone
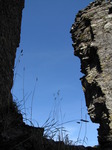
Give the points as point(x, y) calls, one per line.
point(92, 35)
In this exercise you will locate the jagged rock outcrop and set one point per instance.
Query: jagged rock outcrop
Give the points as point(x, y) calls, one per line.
point(14, 134)
point(92, 42)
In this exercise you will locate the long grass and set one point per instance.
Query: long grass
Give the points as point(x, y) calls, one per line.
point(54, 125)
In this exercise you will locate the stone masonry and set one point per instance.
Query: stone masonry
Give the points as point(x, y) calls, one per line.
point(14, 134)
point(10, 26)
point(91, 34)
point(92, 42)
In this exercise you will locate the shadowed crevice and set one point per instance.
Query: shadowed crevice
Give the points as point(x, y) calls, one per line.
point(92, 92)
point(90, 59)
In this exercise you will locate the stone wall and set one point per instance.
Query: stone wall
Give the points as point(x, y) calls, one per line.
point(91, 34)
point(10, 26)
point(92, 42)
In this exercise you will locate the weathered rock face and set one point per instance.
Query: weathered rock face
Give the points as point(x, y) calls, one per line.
point(92, 42)
point(10, 25)
point(14, 134)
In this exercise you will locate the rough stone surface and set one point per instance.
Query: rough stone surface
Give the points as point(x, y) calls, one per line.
point(92, 42)
point(14, 134)
point(10, 25)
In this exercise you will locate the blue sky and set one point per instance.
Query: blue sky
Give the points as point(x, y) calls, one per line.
point(48, 56)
